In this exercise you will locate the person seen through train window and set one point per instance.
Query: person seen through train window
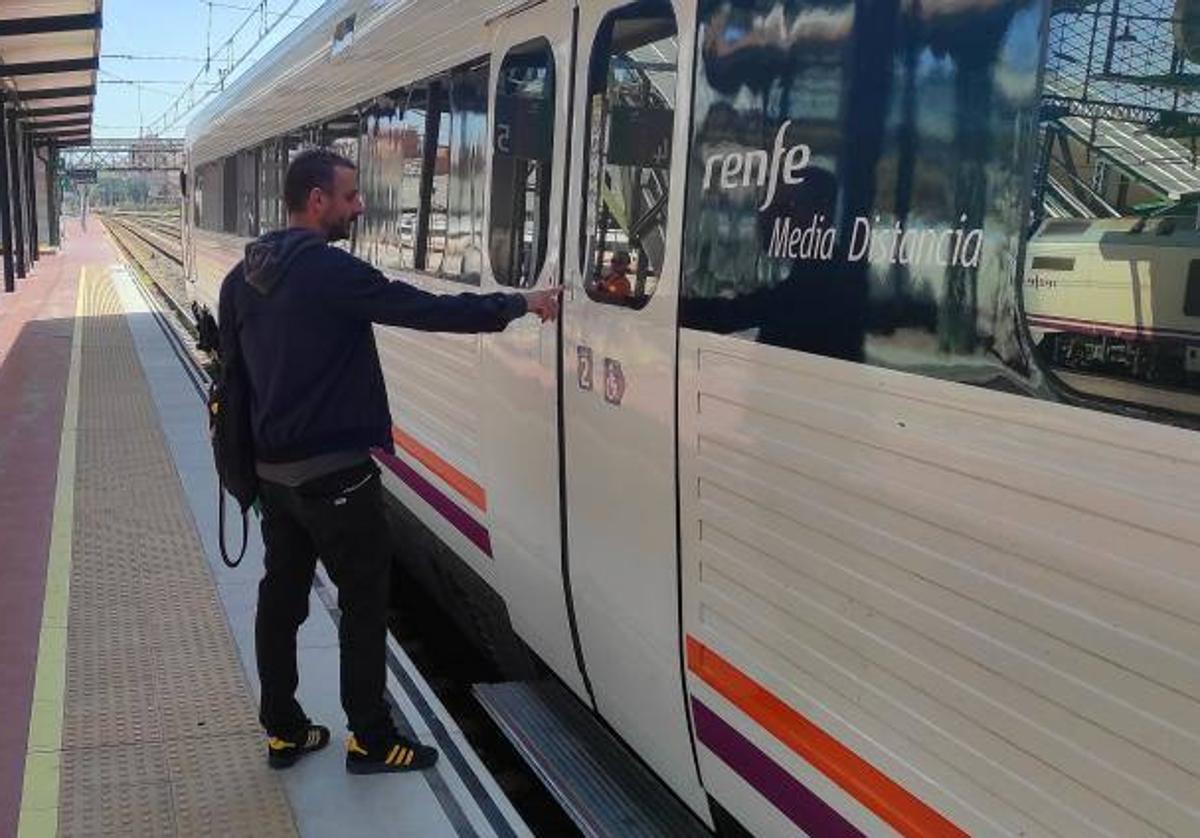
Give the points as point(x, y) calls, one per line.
point(300, 312)
point(612, 284)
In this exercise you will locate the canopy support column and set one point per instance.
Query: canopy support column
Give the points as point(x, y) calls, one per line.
point(6, 230)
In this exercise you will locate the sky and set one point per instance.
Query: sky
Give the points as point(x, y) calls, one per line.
point(179, 30)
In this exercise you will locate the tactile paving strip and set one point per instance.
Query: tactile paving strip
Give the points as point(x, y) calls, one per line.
point(160, 735)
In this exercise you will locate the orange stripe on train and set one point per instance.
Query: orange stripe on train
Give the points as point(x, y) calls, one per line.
point(906, 813)
point(454, 478)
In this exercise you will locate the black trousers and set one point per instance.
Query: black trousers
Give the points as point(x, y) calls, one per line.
point(340, 518)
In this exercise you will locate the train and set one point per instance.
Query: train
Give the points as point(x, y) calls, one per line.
point(810, 524)
point(1120, 299)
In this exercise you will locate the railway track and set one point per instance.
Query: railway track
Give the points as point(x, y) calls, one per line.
point(156, 250)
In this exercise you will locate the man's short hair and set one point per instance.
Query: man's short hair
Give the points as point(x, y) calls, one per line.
point(311, 169)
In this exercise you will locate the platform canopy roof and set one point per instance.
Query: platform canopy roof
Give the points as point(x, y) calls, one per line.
point(49, 57)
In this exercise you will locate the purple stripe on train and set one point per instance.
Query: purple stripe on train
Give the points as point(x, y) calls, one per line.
point(460, 520)
point(801, 806)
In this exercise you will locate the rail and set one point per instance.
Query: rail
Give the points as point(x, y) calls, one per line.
point(142, 239)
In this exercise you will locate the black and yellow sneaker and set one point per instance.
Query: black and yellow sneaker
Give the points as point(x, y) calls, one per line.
point(286, 752)
point(392, 755)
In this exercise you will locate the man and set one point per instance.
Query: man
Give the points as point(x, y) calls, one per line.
point(300, 312)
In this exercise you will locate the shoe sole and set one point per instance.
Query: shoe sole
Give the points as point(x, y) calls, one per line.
point(282, 763)
point(380, 768)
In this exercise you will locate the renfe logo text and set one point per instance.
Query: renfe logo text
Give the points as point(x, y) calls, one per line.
point(816, 238)
point(742, 169)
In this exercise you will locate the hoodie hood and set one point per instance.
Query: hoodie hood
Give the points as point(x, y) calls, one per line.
point(269, 257)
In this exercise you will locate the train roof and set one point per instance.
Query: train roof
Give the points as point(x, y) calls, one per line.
point(1165, 230)
point(345, 53)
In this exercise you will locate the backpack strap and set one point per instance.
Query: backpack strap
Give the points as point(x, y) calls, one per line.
point(232, 563)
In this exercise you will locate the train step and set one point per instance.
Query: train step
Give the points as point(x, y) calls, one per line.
point(602, 787)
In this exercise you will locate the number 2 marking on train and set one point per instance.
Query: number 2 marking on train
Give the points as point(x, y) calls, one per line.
point(584, 353)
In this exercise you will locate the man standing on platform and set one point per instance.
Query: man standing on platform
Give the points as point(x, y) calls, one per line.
point(300, 313)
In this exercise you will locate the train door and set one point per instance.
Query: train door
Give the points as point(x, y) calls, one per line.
point(622, 259)
point(532, 57)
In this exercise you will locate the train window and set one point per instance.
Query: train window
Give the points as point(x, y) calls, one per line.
point(210, 204)
point(296, 142)
point(341, 134)
point(196, 196)
point(1191, 302)
point(439, 192)
point(229, 195)
point(523, 148)
point(270, 187)
point(392, 166)
point(380, 177)
point(631, 117)
point(422, 157)
point(859, 188)
point(200, 195)
point(466, 187)
point(856, 191)
point(450, 238)
point(199, 190)
point(246, 203)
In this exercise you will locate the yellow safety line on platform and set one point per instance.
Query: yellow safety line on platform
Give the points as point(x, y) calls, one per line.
point(43, 758)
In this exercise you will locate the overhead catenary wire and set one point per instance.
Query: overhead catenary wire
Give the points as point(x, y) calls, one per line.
point(128, 56)
point(109, 77)
point(197, 92)
point(261, 8)
point(141, 81)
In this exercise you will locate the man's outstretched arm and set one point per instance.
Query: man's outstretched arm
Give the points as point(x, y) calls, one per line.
point(363, 292)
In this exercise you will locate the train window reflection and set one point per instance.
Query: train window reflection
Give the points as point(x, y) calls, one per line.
point(631, 116)
point(422, 157)
point(246, 163)
point(342, 134)
point(1109, 309)
point(1117, 190)
point(209, 203)
point(439, 217)
point(270, 187)
point(392, 165)
point(1191, 302)
point(465, 185)
point(229, 195)
point(523, 148)
point(861, 191)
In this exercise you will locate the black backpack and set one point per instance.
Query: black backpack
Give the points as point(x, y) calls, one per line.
point(232, 438)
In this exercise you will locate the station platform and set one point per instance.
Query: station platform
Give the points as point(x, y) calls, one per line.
point(127, 679)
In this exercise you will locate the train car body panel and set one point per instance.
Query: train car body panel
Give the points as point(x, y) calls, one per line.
point(434, 388)
point(893, 591)
point(211, 256)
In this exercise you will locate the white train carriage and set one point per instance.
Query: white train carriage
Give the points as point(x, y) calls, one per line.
point(795, 508)
point(1121, 295)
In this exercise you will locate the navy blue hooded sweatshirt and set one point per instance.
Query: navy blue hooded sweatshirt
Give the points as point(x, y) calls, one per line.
point(301, 313)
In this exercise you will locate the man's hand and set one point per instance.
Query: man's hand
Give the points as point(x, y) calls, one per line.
point(544, 304)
